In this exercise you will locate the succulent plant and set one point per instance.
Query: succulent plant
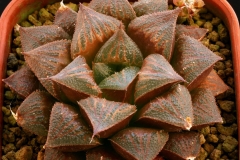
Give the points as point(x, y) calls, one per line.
point(117, 75)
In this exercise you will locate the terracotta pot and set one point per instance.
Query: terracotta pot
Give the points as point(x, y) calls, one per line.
point(18, 10)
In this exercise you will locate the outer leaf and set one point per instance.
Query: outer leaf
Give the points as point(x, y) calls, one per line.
point(76, 80)
point(143, 7)
point(119, 86)
point(195, 32)
point(33, 37)
point(182, 146)
point(34, 112)
point(23, 81)
point(106, 117)
point(102, 152)
point(102, 71)
point(171, 111)
point(214, 83)
point(139, 143)
point(92, 30)
point(155, 77)
point(205, 110)
point(52, 154)
point(68, 132)
point(193, 61)
point(120, 9)
point(157, 30)
point(48, 60)
point(66, 18)
point(120, 50)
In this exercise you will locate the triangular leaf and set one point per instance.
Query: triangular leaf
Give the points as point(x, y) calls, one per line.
point(102, 71)
point(120, 50)
point(92, 30)
point(119, 86)
point(193, 61)
point(23, 81)
point(34, 112)
point(182, 145)
point(33, 37)
point(139, 143)
point(76, 80)
point(205, 110)
point(68, 132)
point(106, 117)
point(155, 33)
point(172, 111)
point(120, 9)
point(155, 77)
point(143, 7)
point(195, 32)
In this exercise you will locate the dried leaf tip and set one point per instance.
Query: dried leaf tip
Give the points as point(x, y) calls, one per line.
point(62, 5)
point(17, 27)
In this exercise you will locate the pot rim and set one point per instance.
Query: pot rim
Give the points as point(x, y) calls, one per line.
point(220, 8)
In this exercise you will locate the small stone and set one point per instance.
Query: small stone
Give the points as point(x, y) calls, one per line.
point(216, 21)
point(207, 16)
point(40, 155)
point(224, 157)
point(4, 157)
point(9, 95)
point(12, 120)
point(208, 147)
point(208, 26)
point(34, 21)
point(226, 105)
point(9, 147)
point(5, 119)
point(11, 155)
point(225, 52)
point(17, 41)
point(205, 42)
point(228, 131)
point(234, 154)
point(205, 131)
point(215, 155)
point(9, 72)
point(24, 153)
point(229, 72)
point(229, 144)
point(45, 15)
point(53, 8)
point(200, 22)
point(230, 118)
point(213, 130)
point(219, 66)
point(221, 138)
point(33, 142)
point(21, 142)
point(25, 24)
point(221, 55)
point(73, 6)
point(219, 146)
point(202, 155)
point(223, 33)
point(230, 81)
point(41, 139)
point(10, 137)
point(229, 64)
point(220, 44)
point(212, 138)
point(202, 139)
point(6, 111)
point(203, 10)
point(213, 36)
point(16, 130)
point(12, 61)
point(213, 47)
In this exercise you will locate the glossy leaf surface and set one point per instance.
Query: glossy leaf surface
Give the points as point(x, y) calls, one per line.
point(172, 111)
point(139, 143)
point(155, 33)
point(68, 132)
point(106, 117)
point(155, 77)
point(34, 112)
point(193, 61)
point(195, 32)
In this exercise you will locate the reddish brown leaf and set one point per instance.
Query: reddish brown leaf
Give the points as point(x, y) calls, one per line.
point(33, 37)
point(92, 30)
point(119, 86)
point(106, 117)
point(214, 83)
point(52, 154)
point(68, 132)
point(155, 33)
point(48, 60)
point(195, 32)
point(66, 18)
point(102, 153)
point(182, 146)
point(139, 143)
point(193, 61)
point(76, 80)
point(144, 7)
point(23, 81)
point(205, 110)
point(120, 50)
point(120, 9)
point(172, 111)
point(34, 112)
point(102, 71)
point(155, 77)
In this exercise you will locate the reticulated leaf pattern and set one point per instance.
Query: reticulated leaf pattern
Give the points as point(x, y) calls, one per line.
point(106, 117)
point(34, 112)
point(120, 49)
point(68, 132)
point(171, 111)
point(155, 33)
point(192, 60)
point(154, 78)
point(102, 71)
point(144, 7)
point(91, 32)
point(33, 37)
point(205, 110)
point(139, 143)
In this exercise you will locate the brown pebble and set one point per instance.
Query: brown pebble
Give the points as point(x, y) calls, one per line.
point(234, 154)
point(228, 131)
point(229, 144)
point(213, 130)
point(202, 155)
point(11, 155)
point(208, 147)
point(229, 72)
point(212, 138)
point(40, 155)
point(21, 142)
point(41, 139)
point(16, 130)
point(230, 81)
point(225, 52)
point(205, 131)
point(221, 74)
point(226, 105)
point(215, 155)
point(9, 147)
point(25, 153)
point(220, 44)
point(221, 138)
point(219, 66)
